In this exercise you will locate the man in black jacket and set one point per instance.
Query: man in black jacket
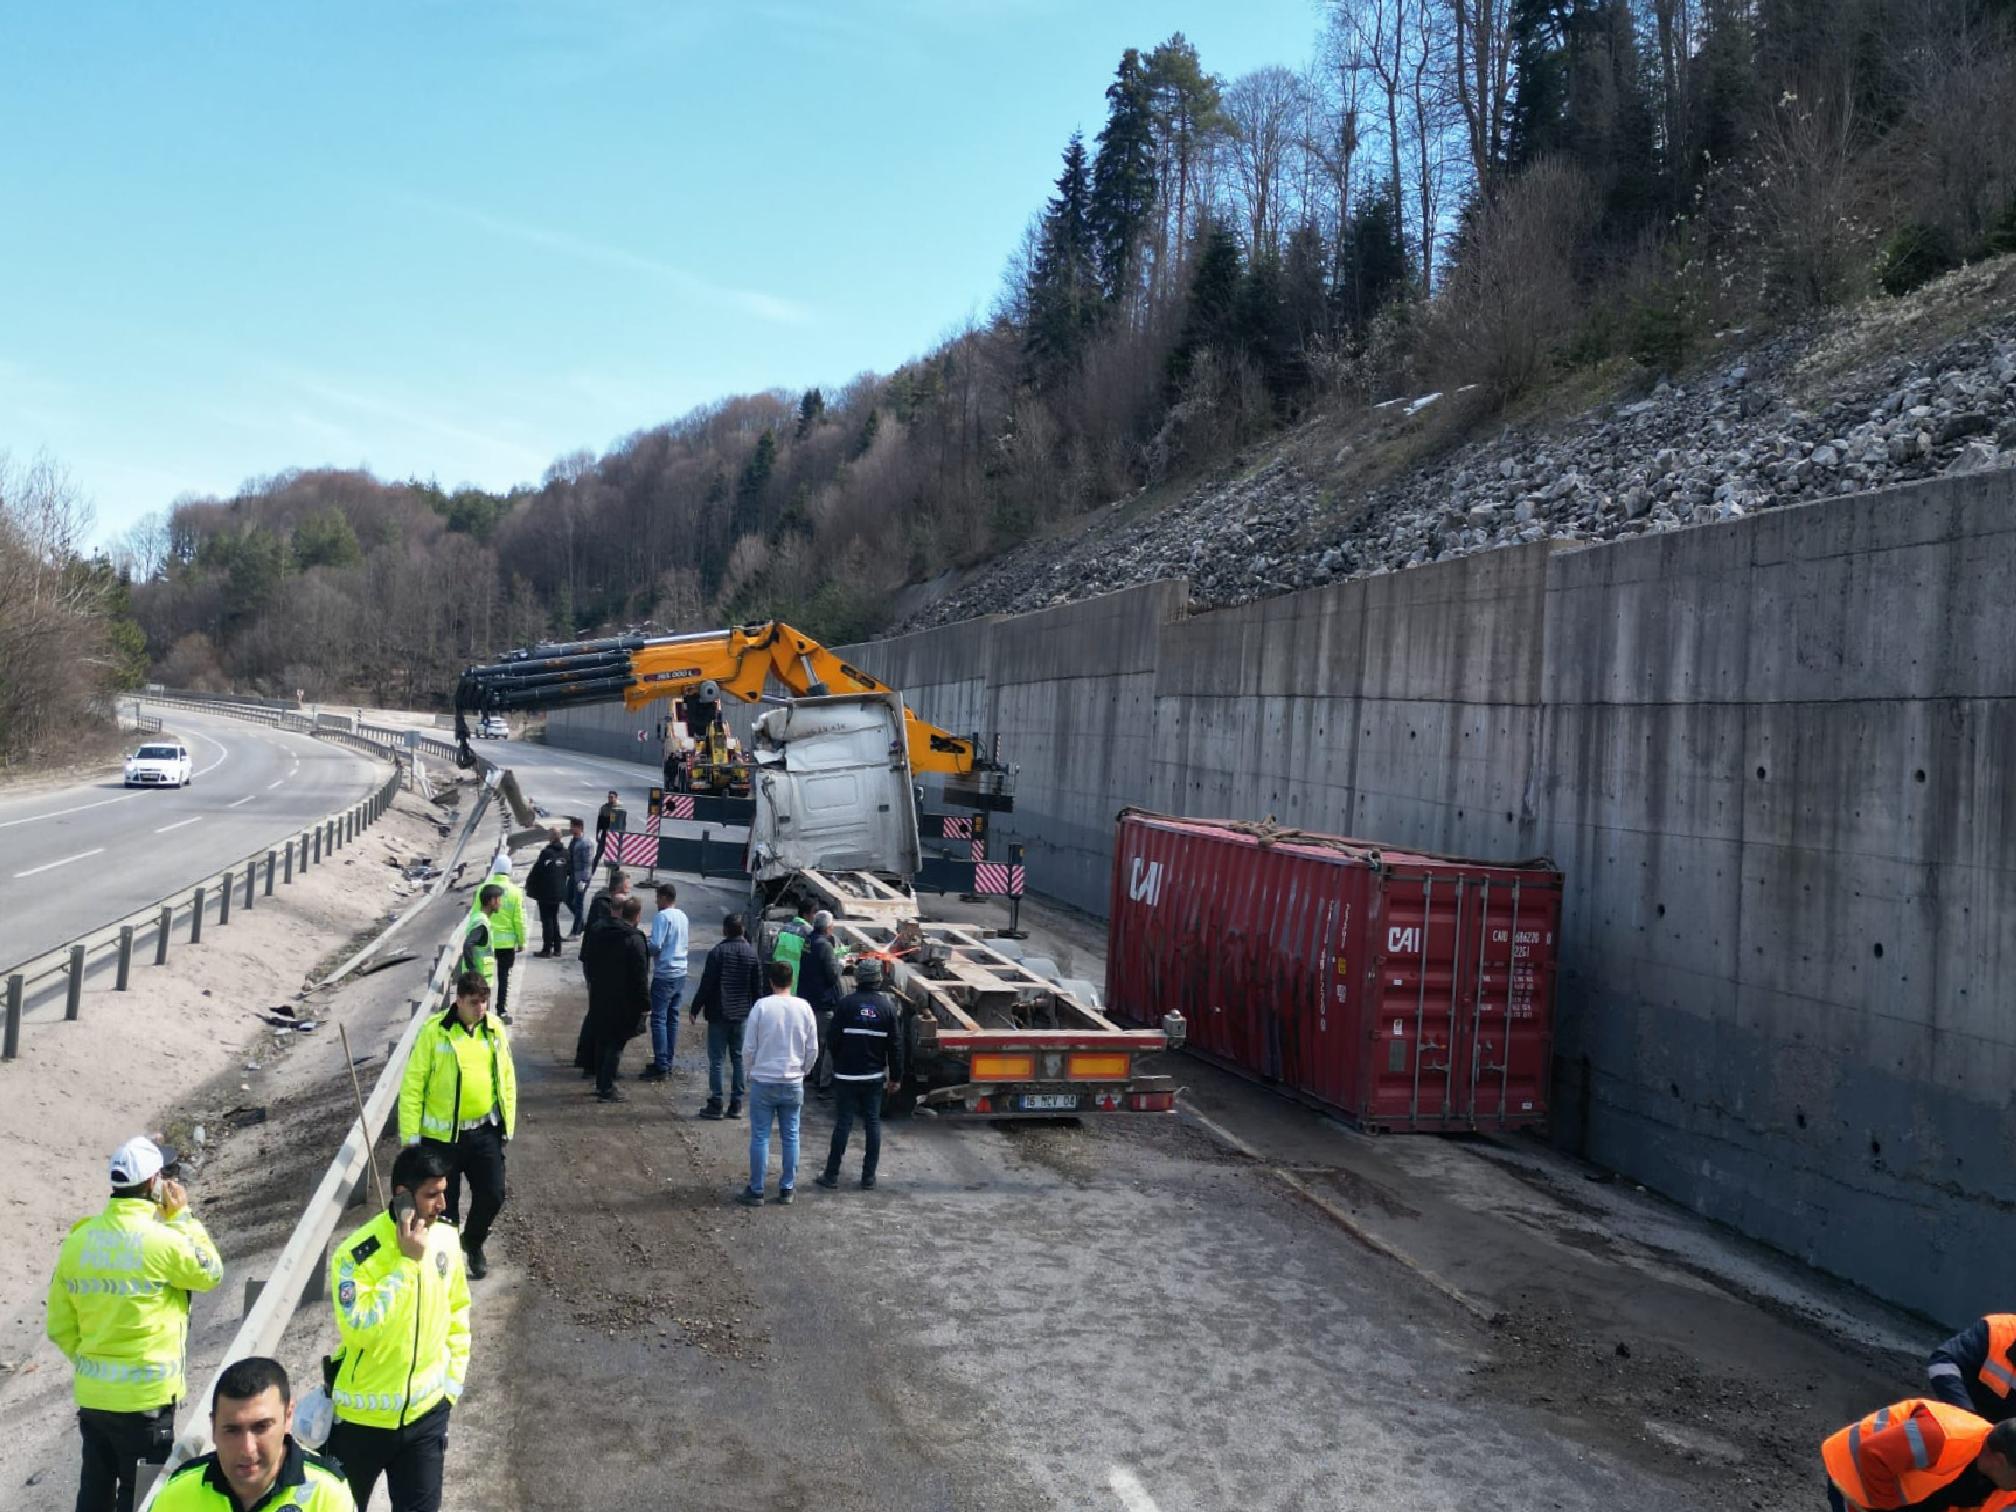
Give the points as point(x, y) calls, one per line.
point(820, 985)
point(867, 1040)
point(547, 884)
point(619, 989)
point(1976, 1368)
point(730, 983)
point(606, 902)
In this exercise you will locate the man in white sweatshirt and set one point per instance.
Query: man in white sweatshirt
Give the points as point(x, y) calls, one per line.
point(780, 1045)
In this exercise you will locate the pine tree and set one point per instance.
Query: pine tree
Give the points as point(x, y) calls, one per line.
point(811, 410)
point(866, 438)
point(1064, 292)
point(1123, 178)
point(1186, 102)
point(1372, 264)
point(754, 482)
point(1210, 321)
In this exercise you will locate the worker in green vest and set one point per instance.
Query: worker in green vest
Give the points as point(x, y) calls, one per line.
point(790, 946)
point(479, 940)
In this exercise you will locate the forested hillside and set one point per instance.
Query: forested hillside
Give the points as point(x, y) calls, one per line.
point(1450, 193)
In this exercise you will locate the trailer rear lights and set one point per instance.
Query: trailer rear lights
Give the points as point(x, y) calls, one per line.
point(1098, 1068)
point(1107, 1102)
point(1003, 1068)
point(1151, 1102)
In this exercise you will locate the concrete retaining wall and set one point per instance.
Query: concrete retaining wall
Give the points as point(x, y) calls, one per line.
point(1774, 759)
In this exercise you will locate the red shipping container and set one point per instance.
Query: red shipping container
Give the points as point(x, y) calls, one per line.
point(1412, 992)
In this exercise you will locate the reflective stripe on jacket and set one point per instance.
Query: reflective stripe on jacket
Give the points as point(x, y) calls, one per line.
point(456, 1078)
point(118, 1303)
point(507, 925)
point(1901, 1454)
point(405, 1324)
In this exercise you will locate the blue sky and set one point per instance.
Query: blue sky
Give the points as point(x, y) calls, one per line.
point(459, 239)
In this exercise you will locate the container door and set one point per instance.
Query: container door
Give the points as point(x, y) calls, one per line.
point(1509, 1033)
point(1417, 1075)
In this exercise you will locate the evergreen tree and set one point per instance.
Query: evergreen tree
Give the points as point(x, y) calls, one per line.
point(1372, 265)
point(1305, 303)
point(754, 482)
point(1186, 103)
point(1542, 32)
point(1064, 290)
point(1123, 178)
point(1210, 320)
point(811, 410)
point(1257, 320)
point(869, 428)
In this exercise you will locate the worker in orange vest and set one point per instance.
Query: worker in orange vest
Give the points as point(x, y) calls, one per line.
point(1921, 1454)
point(1976, 1368)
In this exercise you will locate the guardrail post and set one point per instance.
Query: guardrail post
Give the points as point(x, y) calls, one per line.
point(125, 957)
point(13, 1045)
point(196, 918)
point(224, 898)
point(287, 872)
point(75, 1000)
point(161, 938)
point(271, 857)
point(318, 842)
point(251, 880)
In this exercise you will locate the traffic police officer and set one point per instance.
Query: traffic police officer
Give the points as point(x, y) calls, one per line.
point(479, 940)
point(460, 1092)
point(402, 1308)
point(257, 1466)
point(119, 1310)
point(507, 928)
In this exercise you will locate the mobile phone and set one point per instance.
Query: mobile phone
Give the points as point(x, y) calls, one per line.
point(402, 1206)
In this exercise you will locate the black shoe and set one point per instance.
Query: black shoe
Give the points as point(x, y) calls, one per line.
point(478, 1266)
point(785, 1197)
point(712, 1110)
point(734, 1110)
point(867, 1183)
point(830, 1182)
point(748, 1198)
point(612, 1095)
point(653, 1073)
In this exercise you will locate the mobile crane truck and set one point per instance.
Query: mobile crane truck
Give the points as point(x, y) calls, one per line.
point(833, 824)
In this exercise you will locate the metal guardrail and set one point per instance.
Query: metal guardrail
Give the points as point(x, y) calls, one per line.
point(214, 894)
point(267, 1318)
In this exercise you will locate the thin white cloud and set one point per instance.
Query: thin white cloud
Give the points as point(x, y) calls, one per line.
point(497, 449)
point(770, 307)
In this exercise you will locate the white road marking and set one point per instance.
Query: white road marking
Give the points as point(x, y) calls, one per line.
point(178, 824)
point(52, 865)
point(223, 753)
point(1127, 1486)
point(274, 783)
point(246, 799)
point(59, 813)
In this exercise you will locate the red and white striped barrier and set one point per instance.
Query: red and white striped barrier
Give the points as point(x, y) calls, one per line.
point(677, 806)
point(992, 878)
point(622, 848)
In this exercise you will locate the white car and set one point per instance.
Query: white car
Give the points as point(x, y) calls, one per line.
point(162, 764)
point(493, 727)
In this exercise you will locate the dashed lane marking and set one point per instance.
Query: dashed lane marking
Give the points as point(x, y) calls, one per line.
point(246, 799)
point(59, 813)
point(178, 824)
point(52, 865)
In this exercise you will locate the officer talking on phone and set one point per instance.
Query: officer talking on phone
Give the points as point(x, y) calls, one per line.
point(402, 1308)
point(119, 1311)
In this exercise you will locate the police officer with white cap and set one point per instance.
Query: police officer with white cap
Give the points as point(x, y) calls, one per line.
point(119, 1310)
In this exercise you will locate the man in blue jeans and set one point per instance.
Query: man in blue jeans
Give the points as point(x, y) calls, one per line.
point(667, 945)
point(730, 984)
point(580, 871)
point(780, 1042)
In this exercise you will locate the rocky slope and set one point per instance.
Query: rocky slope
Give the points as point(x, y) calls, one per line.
point(1882, 395)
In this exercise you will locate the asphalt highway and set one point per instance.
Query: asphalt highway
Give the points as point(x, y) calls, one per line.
point(74, 859)
point(573, 784)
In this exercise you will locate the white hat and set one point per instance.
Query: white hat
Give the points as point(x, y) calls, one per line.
point(138, 1160)
point(501, 863)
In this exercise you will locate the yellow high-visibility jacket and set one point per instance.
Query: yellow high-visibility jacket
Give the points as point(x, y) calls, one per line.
point(119, 1302)
point(405, 1324)
point(306, 1483)
point(507, 925)
point(456, 1079)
